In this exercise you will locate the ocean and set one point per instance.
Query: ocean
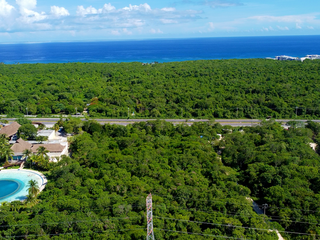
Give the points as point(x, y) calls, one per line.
point(161, 50)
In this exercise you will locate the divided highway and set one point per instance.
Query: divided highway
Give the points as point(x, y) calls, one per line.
point(232, 122)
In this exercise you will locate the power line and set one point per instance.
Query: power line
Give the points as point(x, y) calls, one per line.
point(198, 210)
point(201, 234)
point(79, 221)
point(295, 209)
point(72, 233)
point(234, 226)
point(206, 200)
point(243, 215)
point(77, 211)
point(138, 205)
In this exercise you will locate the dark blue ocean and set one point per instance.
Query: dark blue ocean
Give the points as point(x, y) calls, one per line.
point(164, 50)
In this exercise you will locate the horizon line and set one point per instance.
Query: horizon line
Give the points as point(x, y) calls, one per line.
point(147, 39)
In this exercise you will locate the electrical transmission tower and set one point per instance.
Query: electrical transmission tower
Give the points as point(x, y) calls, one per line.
point(150, 234)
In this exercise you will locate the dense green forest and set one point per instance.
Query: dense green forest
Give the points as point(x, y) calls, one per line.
point(252, 88)
point(200, 184)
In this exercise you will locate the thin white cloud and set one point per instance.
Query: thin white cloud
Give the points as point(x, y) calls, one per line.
point(283, 28)
point(59, 11)
point(285, 19)
point(258, 23)
point(221, 3)
point(126, 31)
point(211, 3)
point(115, 32)
point(156, 31)
point(211, 26)
point(126, 20)
point(27, 4)
point(168, 9)
point(267, 29)
point(142, 7)
point(81, 11)
point(5, 8)
point(28, 16)
point(107, 8)
point(168, 21)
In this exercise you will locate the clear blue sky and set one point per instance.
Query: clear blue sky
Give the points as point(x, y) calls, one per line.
point(95, 20)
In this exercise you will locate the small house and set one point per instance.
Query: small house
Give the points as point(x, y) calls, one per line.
point(10, 131)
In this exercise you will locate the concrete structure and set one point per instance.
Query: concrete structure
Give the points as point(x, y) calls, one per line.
point(286, 58)
point(289, 58)
point(47, 133)
point(311, 57)
point(313, 146)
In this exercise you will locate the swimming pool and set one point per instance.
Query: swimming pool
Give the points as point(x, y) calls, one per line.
point(14, 184)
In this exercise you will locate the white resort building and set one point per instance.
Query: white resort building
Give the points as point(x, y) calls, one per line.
point(57, 146)
point(56, 150)
point(289, 58)
point(51, 134)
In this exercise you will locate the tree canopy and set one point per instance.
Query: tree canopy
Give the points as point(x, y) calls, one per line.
point(200, 184)
point(244, 88)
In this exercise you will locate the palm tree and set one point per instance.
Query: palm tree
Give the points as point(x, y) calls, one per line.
point(42, 151)
point(3, 138)
point(32, 159)
point(31, 200)
point(26, 153)
point(6, 152)
point(56, 127)
point(15, 206)
point(33, 189)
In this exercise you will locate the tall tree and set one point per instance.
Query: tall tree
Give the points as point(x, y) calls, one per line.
point(42, 151)
point(6, 152)
point(27, 153)
point(33, 189)
point(56, 128)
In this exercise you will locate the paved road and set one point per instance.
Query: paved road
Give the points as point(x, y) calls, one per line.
point(124, 122)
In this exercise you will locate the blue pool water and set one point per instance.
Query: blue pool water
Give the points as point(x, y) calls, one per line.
point(161, 50)
point(14, 184)
point(8, 187)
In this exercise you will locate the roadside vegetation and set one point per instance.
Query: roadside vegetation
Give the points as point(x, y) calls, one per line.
point(252, 88)
point(200, 184)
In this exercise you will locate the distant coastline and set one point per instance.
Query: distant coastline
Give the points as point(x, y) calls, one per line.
point(290, 58)
point(160, 50)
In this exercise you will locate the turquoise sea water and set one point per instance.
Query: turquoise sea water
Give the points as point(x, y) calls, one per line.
point(164, 50)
